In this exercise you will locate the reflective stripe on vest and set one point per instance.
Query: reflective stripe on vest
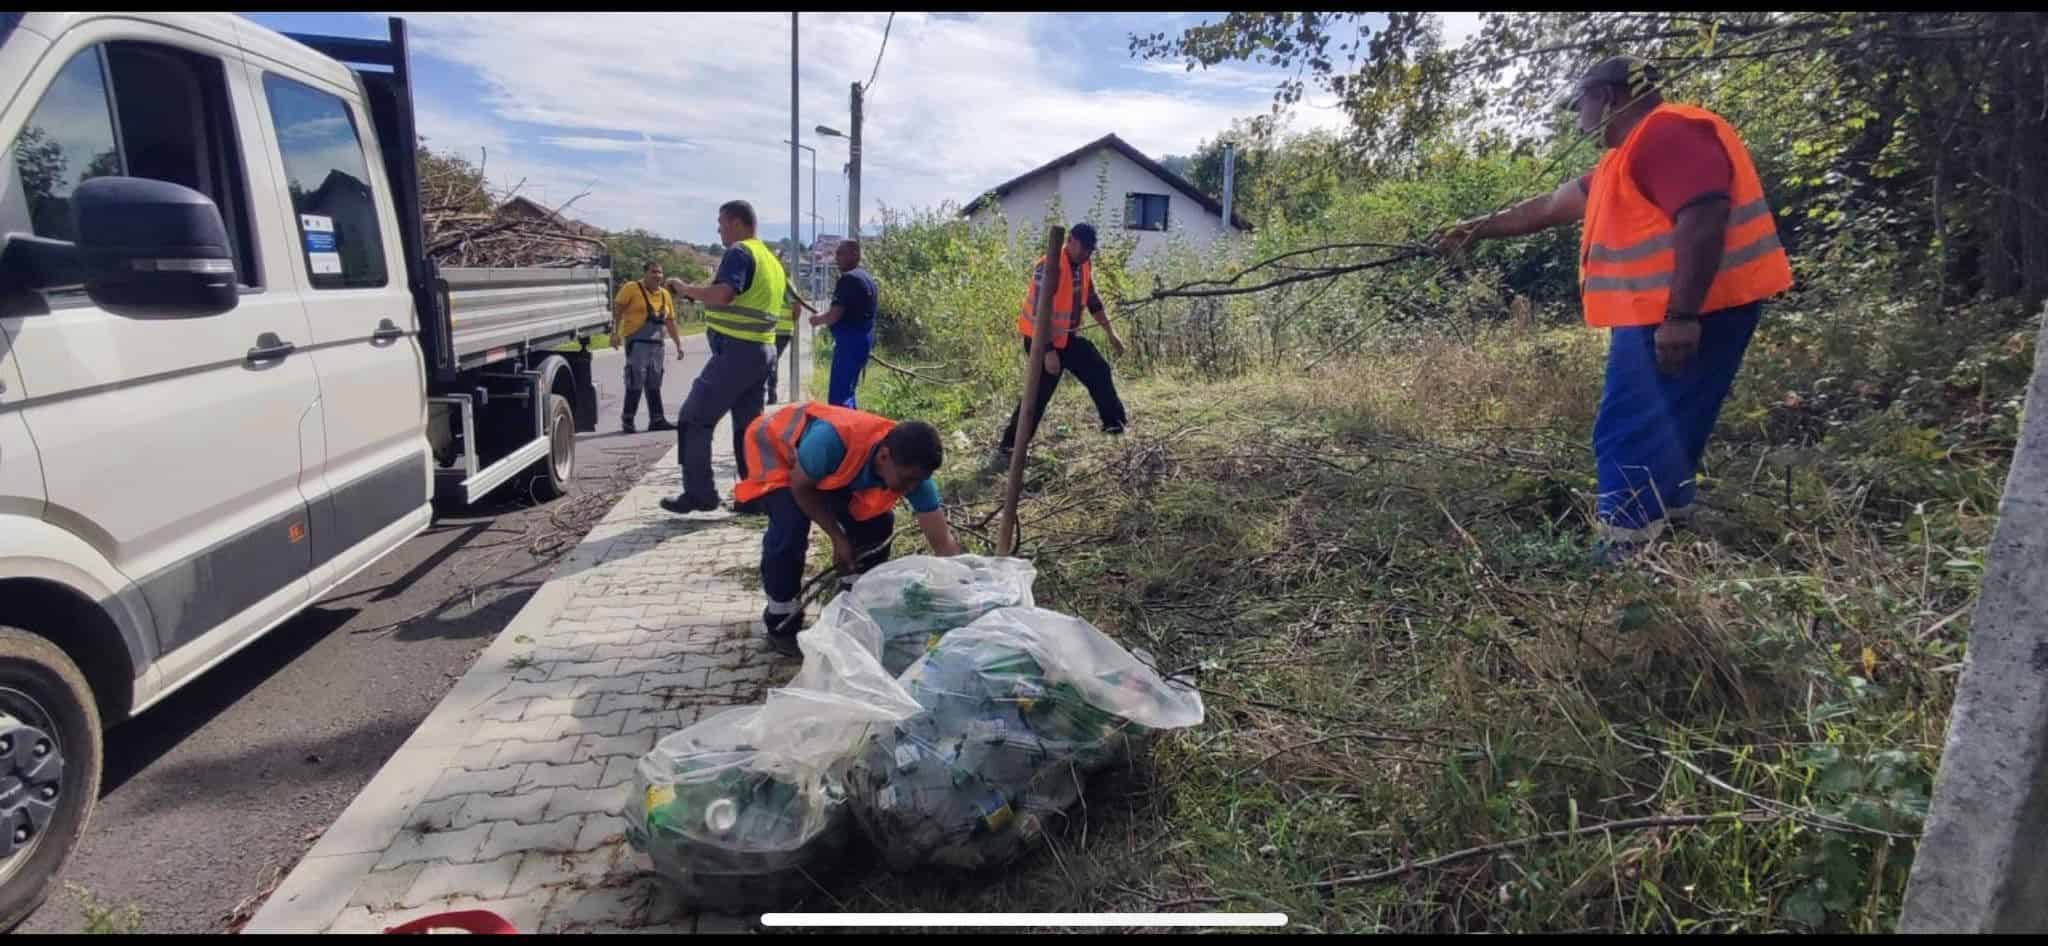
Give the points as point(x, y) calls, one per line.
point(1066, 301)
point(771, 446)
point(1627, 258)
point(751, 315)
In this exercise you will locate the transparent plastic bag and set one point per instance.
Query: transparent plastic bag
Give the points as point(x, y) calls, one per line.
point(743, 810)
point(1017, 708)
point(909, 603)
point(722, 825)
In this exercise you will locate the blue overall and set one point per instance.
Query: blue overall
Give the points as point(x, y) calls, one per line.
point(1652, 430)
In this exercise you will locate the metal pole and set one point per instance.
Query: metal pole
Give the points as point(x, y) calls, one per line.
point(853, 171)
point(1229, 167)
point(795, 208)
point(1034, 370)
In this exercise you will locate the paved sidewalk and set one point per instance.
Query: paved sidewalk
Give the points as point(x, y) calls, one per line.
point(507, 797)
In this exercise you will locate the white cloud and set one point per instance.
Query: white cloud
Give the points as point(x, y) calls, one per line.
point(626, 145)
point(961, 103)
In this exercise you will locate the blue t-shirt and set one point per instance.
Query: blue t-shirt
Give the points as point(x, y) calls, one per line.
point(855, 295)
point(735, 269)
point(820, 451)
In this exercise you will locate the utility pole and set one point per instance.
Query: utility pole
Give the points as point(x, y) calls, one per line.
point(795, 211)
point(1229, 166)
point(853, 172)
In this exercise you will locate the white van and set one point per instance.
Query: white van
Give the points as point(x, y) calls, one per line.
point(230, 375)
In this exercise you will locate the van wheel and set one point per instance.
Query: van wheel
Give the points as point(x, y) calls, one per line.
point(50, 757)
point(552, 475)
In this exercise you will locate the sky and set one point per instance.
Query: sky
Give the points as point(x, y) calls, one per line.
point(661, 117)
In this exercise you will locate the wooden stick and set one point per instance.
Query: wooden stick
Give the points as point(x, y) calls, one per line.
point(1034, 369)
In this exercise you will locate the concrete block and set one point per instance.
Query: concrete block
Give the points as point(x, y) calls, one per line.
point(1981, 866)
point(487, 880)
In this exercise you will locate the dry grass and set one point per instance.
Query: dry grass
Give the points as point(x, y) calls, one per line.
point(1378, 575)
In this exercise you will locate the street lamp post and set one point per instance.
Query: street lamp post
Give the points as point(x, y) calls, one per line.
point(814, 188)
point(852, 174)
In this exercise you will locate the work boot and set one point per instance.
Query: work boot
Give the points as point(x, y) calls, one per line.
point(752, 507)
point(682, 504)
point(1609, 553)
point(626, 426)
point(657, 419)
point(781, 630)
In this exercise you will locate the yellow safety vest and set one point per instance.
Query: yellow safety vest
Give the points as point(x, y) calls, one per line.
point(751, 316)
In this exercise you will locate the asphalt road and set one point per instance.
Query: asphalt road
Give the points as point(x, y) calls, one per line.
point(212, 794)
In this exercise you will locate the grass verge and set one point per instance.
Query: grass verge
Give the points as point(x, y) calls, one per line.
point(1428, 713)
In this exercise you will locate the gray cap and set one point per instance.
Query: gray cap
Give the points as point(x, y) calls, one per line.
point(1632, 73)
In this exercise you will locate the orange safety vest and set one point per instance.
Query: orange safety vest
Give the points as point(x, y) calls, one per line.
point(771, 452)
point(1066, 303)
point(1626, 260)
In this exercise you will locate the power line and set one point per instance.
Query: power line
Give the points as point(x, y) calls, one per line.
point(878, 53)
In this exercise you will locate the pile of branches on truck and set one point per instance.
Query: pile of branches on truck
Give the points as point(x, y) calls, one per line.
point(468, 223)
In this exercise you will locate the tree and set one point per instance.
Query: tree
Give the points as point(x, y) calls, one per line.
point(1928, 128)
point(450, 184)
point(632, 249)
point(105, 164)
point(41, 163)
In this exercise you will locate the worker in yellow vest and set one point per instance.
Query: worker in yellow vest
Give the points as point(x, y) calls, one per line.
point(785, 328)
point(1678, 253)
point(741, 306)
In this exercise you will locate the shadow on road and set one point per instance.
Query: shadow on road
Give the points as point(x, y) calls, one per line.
point(134, 745)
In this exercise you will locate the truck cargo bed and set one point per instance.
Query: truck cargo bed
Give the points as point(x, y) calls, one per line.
point(493, 310)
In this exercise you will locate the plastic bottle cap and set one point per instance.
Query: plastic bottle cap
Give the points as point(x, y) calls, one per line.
point(721, 815)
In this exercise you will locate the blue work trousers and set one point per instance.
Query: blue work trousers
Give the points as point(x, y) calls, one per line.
point(1652, 429)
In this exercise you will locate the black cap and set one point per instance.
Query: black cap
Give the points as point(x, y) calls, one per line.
point(1629, 72)
point(1084, 232)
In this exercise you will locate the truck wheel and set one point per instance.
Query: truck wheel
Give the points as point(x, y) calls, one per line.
point(50, 756)
point(551, 476)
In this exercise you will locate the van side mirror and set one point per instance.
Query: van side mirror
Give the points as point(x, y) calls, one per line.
point(153, 249)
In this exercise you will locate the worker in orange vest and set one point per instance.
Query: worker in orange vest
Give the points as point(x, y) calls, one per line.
point(1067, 351)
point(1678, 254)
point(843, 470)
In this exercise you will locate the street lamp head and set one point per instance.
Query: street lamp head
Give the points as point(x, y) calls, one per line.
point(830, 132)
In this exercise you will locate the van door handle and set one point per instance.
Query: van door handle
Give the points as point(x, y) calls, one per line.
point(269, 348)
point(387, 332)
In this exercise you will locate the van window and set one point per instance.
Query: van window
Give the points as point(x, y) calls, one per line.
point(136, 109)
point(68, 140)
point(330, 185)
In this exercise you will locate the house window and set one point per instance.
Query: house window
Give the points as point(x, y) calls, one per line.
point(1144, 211)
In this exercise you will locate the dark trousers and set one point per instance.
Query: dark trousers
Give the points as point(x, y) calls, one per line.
point(788, 541)
point(644, 369)
point(731, 382)
point(1081, 360)
point(849, 361)
point(781, 345)
point(1652, 430)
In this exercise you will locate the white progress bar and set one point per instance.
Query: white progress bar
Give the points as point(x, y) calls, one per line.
point(1024, 919)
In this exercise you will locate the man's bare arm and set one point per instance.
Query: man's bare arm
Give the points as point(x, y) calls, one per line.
point(1697, 240)
point(1561, 206)
point(714, 294)
point(938, 533)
